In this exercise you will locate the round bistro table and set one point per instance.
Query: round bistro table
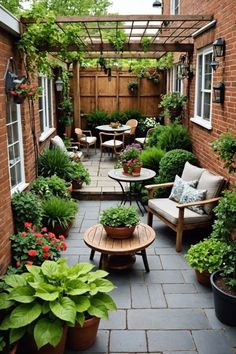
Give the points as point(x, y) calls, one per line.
point(116, 253)
point(108, 129)
point(119, 176)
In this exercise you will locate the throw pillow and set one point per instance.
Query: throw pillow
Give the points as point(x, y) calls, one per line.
point(190, 195)
point(178, 188)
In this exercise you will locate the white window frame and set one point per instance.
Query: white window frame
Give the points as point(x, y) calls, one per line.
point(199, 119)
point(22, 185)
point(47, 107)
point(174, 10)
point(171, 80)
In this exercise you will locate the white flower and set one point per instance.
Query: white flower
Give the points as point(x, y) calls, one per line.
point(150, 122)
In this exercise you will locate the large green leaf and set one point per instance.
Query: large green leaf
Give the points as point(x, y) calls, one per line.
point(98, 309)
point(35, 270)
point(24, 314)
point(6, 323)
point(76, 287)
point(104, 285)
point(16, 334)
point(80, 318)
point(79, 269)
point(97, 275)
point(106, 300)
point(46, 332)
point(82, 303)
point(64, 309)
point(14, 280)
point(23, 294)
point(5, 303)
point(47, 292)
point(49, 268)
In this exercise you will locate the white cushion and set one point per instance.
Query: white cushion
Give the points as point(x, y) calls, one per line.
point(89, 139)
point(213, 185)
point(190, 195)
point(140, 140)
point(79, 154)
point(168, 209)
point(112, 143)
point(58, 142)
point(191, 172)
point(178, 187)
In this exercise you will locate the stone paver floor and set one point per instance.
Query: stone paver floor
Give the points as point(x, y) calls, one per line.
point(162, 312)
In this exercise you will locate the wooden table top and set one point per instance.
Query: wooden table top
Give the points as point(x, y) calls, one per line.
point(96, 238)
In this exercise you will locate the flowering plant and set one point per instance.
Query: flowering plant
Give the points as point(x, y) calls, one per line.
point(131, 152)
point(33, 247)
point(67, 140)
point(27, 90)
point(133, 163)
point(150, 122)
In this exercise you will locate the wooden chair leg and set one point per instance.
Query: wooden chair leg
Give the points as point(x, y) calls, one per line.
point(149, 218)
point(179, 237)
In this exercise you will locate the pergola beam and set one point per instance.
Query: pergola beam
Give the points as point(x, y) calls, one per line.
point(126, 55)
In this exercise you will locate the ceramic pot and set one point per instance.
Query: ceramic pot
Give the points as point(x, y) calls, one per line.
point(203, 277)
point(136, 171)
point(28, 345)
point(81, 338)
point(119, 232)
point(60, 230)
point(69, 187)
point(225, 304)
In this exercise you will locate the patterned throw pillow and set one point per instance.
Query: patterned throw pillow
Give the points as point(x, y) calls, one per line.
point(193, 195)
point(178, 188)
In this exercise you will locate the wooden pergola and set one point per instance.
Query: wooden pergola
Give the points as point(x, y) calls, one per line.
point(166, 33)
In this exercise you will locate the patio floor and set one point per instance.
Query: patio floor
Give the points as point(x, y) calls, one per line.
point(165, 311)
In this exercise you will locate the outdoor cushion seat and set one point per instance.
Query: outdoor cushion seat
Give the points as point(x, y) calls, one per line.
point(178, 216)
point(169, 210)
point(58, 143)
point(112, 144)
point(85, 138)
point(143, 140)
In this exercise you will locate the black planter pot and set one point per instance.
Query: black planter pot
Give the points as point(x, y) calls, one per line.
point(225, 304)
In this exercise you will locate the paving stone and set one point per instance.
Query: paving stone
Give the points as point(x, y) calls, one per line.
point(167, 319)
point(140, 296)
point(180, 352)
point(128, 341)
point(164, 276)
point(75, 235)
point(173, 262)
point(211, 342)
point(122, 297)
point(157, 297)
point(117, 320)
point(189, 300)
point(179, 288)
point(72, 260)
point(99, 347)
point(160, 340)
point(165, 250)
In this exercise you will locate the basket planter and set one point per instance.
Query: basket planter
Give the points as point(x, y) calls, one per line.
point(225, 304)
point(81, 338)
point(203, 277)
point(119, 232)
point(133, 91)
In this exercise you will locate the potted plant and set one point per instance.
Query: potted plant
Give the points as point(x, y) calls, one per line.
point(53, 296)
point(206, 257)
point(225, 146)
point(119, 221)
point(133, 87)
point(130, 153)
point(172, 104)
point(25, 90)
point(78, 175)
point(47, 187)
point(134, 167)
point(34, 247)
point(58, 214)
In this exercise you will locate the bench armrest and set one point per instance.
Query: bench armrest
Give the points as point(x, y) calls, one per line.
point(153, 187)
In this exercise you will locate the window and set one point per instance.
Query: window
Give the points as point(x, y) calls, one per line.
point(15, 146)
point(174, 7)
point(174, 82)
point(203, 93)
point(45, 106)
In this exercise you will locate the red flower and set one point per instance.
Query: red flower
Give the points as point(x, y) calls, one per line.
point(61, 237)
point(23, 233)
point(29, 263)
point(45, 248)
point(18, 263)
point(44, 229)
point(64, 246)
point(39, 242)
point(32, 253)
point(37, 234)
point(27, 224)
point(58, 248)
point(51, 234)
point(46, 255)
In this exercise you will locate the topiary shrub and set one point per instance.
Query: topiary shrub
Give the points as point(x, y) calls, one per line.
point(151, 158)
point(26, 207)
point(172, 164)
point(174, 136)
point(170, 137)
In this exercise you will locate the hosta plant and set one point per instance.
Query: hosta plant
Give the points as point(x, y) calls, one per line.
point(119, 216)
point(44, 299)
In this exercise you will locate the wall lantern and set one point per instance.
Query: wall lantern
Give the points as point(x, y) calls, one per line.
point(186, 70)
point(219, 47)
point(214, 64)
point(157, 3)
point(219, 92)
point(59, 84)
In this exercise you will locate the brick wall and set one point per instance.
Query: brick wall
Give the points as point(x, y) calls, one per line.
point(223, 115)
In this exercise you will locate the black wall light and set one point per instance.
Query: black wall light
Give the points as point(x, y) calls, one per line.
point(157, 3)
point(186, 68)
point(219, 48)
point(214, 64)
point(219, 92)
point(59, 84)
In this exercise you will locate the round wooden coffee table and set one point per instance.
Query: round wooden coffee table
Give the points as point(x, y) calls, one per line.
point(119, 254)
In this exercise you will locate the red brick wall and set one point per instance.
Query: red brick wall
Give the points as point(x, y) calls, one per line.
point(7, 45)
point(223, 116)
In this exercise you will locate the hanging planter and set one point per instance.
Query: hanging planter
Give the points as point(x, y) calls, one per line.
point(18, 99)
point(133, 88)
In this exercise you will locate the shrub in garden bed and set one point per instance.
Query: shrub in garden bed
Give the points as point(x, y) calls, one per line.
point(151, 158)
point(47, 187)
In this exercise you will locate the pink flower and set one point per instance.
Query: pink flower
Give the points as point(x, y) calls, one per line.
point(45, 248)
point(64, 246)
point(51, 234)
point(44, 229)
point(27, 224)
point(39, 242)
point(32, 253)
point(61, 237)
point(18, 263)
point(23, 233)
point(29, 263)
point(46, 255)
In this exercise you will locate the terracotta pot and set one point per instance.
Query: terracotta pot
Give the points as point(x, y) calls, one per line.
point(81, 338)
point(203, 278)
point(77, 184)
point(14, 349)
point(136, 171)
point(29, 346)
point(119, 232)
point(69, 187)
point(60, 230)
point(126, 169)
